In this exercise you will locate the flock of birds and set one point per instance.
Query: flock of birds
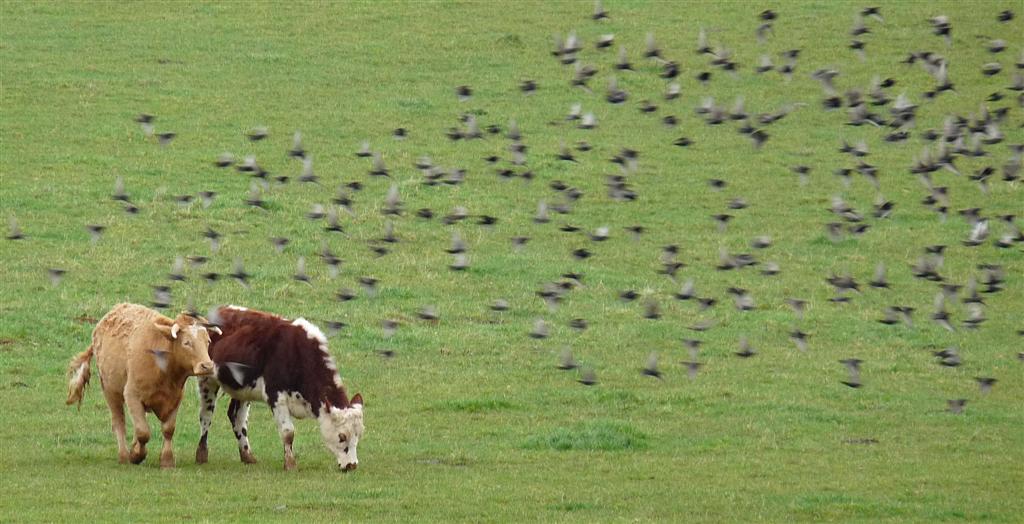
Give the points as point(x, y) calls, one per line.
point(975, 135)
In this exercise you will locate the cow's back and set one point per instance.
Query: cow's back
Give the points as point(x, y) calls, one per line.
point(125, 326)
point(289, 357)
point(249, 337)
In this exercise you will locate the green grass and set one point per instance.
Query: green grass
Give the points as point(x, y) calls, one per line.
point(471, 421)
point(594, 436)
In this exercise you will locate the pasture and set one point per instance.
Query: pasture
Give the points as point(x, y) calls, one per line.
point(468, 417)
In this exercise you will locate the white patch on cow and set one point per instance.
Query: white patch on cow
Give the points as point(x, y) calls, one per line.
point(329, 362)
point(257, 391)
point(348, 423)
point(312, 331)
point(194, 330)
point(207, 402)
point(282, 416)
point(297, 405)
point(239, 426)
point(237, 308)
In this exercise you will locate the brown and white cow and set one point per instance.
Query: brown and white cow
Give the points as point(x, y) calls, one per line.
point(144, 359)
point(265, 357)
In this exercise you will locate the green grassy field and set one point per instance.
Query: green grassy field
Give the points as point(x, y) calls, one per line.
point(471, 420)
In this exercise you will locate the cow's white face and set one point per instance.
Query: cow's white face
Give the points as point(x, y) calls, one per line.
point(341, 430)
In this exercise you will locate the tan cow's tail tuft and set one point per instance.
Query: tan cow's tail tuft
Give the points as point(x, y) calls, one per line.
point(78, 375)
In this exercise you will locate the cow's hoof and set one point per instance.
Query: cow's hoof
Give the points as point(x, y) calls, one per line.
point(167, 462)
point(122, 458)
point(136, 457)
point(202, 455)
point(247, 457)
point(289, 464)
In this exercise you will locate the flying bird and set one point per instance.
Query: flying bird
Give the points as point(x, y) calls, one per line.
point(566, 361)
point(255, 197)
point(177, 269)
point(145, 121)
point(379, 169)
point(307, 169)
point(587, 377)
point(948, 357)
point(956, 405)
point(214, 237)
point(297, 150)
point(941, 315)
point(119, 192)
point(300, 271)
point(165, 138)
point(746, 350)
point(460, 262)
point(985, 384)
point(56, 275)
point(652, 310)
point(160, 358)
point(257, 133)
point(389, 327)
point(334, 327)
point(879, 280)
point(651, 368)
point(799, 338)
point(428, 313)
point(540, 329)
point(207, 198)
point(161, 297)
point(238, 273)
point(798, 306)
point(853, 367)
point(369, 285)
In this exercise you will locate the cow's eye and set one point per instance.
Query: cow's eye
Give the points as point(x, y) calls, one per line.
point(187, 343)
point(341, 438)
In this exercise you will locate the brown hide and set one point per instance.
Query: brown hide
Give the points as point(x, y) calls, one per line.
point(144, 359)
point(127, 341)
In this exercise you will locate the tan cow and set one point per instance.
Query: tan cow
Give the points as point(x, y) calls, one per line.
point(144, 359)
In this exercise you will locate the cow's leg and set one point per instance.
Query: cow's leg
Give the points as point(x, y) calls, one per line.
point(207, 405)
point(141, 427)
point(167, 426)
point(238, 414)
point(115, 401)
point(286, 429)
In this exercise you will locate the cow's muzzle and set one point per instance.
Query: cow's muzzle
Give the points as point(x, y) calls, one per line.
point(204, 368)
point(349, 467)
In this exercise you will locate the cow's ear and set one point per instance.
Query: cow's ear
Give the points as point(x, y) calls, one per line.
point(168, 330)
point(357, 400)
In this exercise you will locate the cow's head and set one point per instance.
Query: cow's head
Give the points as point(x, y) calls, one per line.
point(341, 429)
point(189, 343)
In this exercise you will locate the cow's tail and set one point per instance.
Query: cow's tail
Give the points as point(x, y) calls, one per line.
point(78, 375)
